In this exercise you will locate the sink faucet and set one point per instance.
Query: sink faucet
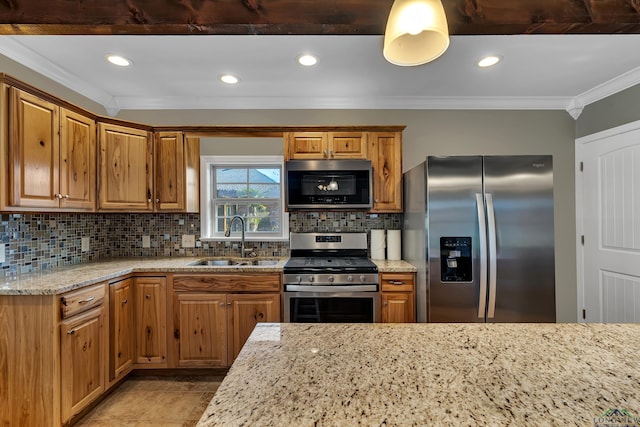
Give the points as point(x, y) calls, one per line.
point(227, 232)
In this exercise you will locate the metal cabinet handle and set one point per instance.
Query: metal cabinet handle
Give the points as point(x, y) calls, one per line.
point(71, 332)
point(149, 200)
point(83, 301)
point(324, 153)
point(331, 153)
point(124, 301)
point(57, 196)
point(157, 200)
point(221, 304)
point(148, 296)
point(66, 196)
point(228, 303)
point(396, 282)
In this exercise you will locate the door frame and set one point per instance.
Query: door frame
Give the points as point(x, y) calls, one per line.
point(580, 143)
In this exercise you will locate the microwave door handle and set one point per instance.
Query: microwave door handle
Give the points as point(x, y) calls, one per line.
point(482, 227)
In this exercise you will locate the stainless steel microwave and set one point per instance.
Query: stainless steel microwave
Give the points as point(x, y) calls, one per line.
point(328, 184)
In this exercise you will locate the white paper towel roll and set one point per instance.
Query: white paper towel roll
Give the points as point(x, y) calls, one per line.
point(393, 245)
point(377, 244)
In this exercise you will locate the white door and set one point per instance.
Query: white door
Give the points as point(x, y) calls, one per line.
point(609, 213)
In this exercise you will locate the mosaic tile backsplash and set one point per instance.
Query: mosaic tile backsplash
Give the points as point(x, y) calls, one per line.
point(35, 242)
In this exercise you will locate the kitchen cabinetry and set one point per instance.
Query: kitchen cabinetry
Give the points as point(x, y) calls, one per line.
point(82, 349)
point(325, 145)
point(126, 169)
point(213, 317)
point(51, 156)
point(385, 153)
point(398, 297)
point(150, 294)
point(177, 170)
point(121, 336)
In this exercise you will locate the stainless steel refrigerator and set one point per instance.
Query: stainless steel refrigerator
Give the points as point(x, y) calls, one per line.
point(480, 231)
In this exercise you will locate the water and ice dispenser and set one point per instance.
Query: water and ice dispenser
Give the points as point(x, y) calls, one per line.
point(455, 259)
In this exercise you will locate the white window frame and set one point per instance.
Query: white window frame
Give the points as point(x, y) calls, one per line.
point(207, 220)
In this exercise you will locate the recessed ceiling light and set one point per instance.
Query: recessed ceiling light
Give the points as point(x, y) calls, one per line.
point(308, 60)
point(488, 61)
point(229, 79)
point(119, 60)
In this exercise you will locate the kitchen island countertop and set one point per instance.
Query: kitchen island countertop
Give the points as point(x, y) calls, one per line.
point(431, 374)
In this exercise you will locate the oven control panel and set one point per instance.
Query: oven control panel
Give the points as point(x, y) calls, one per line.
point(339, 279)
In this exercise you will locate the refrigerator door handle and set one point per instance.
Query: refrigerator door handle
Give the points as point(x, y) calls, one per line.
point(493, 264)
point(482, 227)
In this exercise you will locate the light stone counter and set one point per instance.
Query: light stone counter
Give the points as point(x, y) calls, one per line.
point(60, 280)
point(430, 375)
point(386, 266)
point(57, 281)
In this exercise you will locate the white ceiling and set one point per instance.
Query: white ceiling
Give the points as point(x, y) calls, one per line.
point(181, 72)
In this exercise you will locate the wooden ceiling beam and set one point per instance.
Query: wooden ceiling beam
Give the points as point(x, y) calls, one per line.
point(318, 17)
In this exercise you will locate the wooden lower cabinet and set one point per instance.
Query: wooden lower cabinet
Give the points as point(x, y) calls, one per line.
point(121, 332)
point(245, 311)
point(398, 297)
point(150, 295)
point(82, 361)
point(209, 329)
point(200, 328)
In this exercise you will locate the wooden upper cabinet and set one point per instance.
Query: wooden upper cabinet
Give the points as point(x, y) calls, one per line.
point(77, 161)
point(52, 155)
point(177, 168)
point(325, 145)
point(385, 153)
point(34, 151)
point(347, 145)
point(126, 164)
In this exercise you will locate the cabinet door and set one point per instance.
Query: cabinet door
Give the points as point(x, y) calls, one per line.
point(82, 366)
point(347, 145)
point(385, 153)
point(170, 171)
point(306, 145)
point(151, 325)
point(397, 307)
point(34, 151)
point(200, 323)
point(120, 329)
point(125, 169)
point(77, 161)
point(246, 310)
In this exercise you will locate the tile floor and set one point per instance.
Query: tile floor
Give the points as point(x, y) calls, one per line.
point(159, 401)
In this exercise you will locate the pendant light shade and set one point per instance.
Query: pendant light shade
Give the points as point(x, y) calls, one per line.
point(416, 32)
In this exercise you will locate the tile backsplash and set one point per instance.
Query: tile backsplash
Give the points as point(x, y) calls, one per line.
point(35, 242)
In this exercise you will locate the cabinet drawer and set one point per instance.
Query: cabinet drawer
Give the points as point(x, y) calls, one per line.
point(81, 300)
point(397, 282)
point(227, 283)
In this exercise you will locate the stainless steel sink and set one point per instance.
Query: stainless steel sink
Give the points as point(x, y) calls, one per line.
point(220, 262)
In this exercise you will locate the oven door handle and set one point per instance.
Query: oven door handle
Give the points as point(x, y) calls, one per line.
point(330, 288)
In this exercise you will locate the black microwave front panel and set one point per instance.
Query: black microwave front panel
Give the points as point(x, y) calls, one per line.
point(307, 188)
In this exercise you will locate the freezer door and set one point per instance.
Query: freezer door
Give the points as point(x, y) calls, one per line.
point(453, 184)
point(519, 191)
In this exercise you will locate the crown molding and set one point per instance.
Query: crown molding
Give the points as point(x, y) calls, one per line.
point(13, 49)
point(610, 87)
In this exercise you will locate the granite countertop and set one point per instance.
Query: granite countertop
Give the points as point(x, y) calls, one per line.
point(60, 280)
point(430, 374)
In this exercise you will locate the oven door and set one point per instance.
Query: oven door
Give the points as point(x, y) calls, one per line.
point(332, 307)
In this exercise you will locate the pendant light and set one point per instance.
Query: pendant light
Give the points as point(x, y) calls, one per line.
point(416, 32)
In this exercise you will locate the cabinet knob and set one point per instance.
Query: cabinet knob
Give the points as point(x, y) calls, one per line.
point(228, 303)
point(124, 301)
point(157, 200)
point(331, 153)
point(58, 196)
point(385, 303)
point(221, 304)
point(71, 332)
point(66, 196)
point(149, 200)
point(148, 296)
point(324, 153)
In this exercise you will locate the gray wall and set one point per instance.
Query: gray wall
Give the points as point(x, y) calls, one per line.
point(615, 110)
point(427, 132)
point(445, 132)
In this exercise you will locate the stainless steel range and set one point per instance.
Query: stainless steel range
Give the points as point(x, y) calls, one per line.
point(329, 278)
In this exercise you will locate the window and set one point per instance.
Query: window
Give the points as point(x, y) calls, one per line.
point(251, 187)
